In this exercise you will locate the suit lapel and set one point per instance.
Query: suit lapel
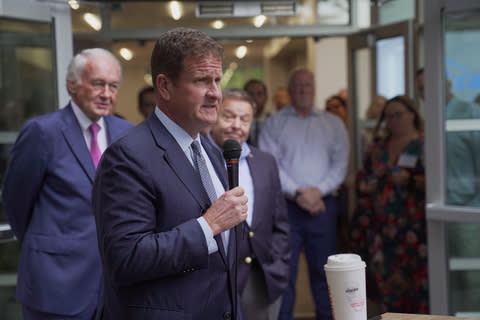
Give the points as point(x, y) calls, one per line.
point(178, 162)
point(217, 161)
point(181, 166)
point(73, 135)
point(111, 132)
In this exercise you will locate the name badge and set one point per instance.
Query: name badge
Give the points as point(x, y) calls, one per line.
point(407, 160)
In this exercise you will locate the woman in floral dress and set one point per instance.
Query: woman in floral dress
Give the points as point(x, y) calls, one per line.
point(389, 227)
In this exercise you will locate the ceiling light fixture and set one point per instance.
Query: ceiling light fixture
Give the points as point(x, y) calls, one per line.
point(147, 77)
point(73, 4)
point(175, 10)
point(258, 21)
point(241, 52)
point(227, 75)
point(93, 21)
point(126, 54)
point(218, 24)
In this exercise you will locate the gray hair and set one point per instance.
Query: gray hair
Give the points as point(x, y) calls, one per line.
point(241, 95)
point(76, 65)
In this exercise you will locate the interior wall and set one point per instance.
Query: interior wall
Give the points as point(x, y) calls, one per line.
point(132, 83)
point(276, 76)
point(330, 56)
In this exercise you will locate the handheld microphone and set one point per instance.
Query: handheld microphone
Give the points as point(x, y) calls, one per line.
point(231, 153)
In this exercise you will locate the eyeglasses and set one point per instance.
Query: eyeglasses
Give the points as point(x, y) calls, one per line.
point(395, 115)
point(100, 85)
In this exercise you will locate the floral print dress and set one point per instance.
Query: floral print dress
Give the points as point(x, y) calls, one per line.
point(389, 230)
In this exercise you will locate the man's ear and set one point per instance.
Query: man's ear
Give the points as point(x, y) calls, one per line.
point(71, 86)
point(164, 86)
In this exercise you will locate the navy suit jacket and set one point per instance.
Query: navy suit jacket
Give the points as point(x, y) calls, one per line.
point(267, 239)
point(146, 199)
point(47, 199)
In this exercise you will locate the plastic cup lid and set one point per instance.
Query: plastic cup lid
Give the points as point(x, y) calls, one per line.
point(344, 261)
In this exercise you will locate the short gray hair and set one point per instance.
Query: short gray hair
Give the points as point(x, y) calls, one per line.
point(241, 95)
point(76, 65)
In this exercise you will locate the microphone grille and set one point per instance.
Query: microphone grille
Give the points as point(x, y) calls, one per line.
point(231, 149)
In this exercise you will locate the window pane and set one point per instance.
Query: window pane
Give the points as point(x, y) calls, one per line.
point(462, 134)
point(27, 89)
point(462, 114)
point(397, 10)
point(391, 66)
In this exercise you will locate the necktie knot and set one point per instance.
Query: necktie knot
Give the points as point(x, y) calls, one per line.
point(196, 148)
point(94, 148)
point(94, 129)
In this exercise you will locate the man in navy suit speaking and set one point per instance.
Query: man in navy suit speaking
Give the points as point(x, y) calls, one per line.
point(162, 213)
point(47, 193)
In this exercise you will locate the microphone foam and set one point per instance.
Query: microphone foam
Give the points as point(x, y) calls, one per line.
point(231, 149)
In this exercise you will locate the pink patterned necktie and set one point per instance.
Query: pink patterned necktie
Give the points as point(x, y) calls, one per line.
point(94, 149)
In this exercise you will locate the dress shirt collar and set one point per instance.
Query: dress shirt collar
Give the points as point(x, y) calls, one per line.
point(83, 120)
point(290, 111)
point(183, 139)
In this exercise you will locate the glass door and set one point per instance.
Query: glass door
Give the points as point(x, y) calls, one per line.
point(452, 85)
point(380, 66)
point(30, 57)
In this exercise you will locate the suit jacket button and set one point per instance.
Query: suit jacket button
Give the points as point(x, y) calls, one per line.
point(248, 260)
point(251, 234)
point(227, 316)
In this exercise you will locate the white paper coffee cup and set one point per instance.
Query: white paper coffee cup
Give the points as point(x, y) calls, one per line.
point(346, 286)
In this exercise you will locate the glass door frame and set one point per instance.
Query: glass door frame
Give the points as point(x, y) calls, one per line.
point(58, 14)
point(439, 214)
point(366, 39)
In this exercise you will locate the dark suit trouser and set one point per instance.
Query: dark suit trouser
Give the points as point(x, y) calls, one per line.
point(317, 234)
point(31, 314)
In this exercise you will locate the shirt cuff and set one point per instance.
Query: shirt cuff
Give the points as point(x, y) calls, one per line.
point(211, 243)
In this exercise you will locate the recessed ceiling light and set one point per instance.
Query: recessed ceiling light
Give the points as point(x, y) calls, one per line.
point(73, 4)
point(258, 21)
point(241, 52)
point(175, 10)
point(147, 77)
point(93, 21)
point(218, 24)
point(126, 54)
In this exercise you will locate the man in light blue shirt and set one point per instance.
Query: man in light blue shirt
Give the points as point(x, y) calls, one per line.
point(263, 249)
point(312, 149)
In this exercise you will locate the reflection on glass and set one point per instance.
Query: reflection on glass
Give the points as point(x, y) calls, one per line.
point(461, 113)
point(462, 134)
point(27, 89)
point(391, 67)
point(464, 275)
